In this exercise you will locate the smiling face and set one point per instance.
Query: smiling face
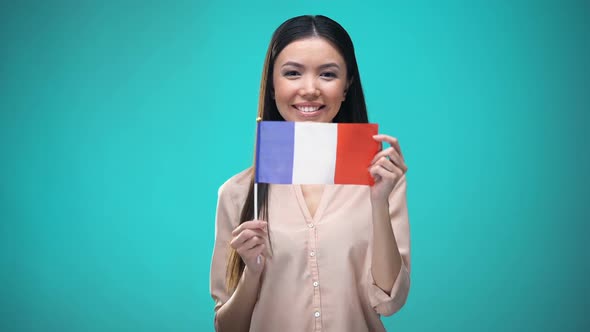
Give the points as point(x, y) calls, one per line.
point(309, 80)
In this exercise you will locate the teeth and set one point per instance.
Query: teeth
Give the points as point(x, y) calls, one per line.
point(306, 109)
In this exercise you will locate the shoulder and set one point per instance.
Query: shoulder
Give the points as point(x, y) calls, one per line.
point(236, 187)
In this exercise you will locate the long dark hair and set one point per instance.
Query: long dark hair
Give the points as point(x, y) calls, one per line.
point(352, 110)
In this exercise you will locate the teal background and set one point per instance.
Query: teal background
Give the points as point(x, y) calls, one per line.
point(120, 120)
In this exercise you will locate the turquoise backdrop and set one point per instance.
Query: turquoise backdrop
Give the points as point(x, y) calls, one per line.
point(119, 120)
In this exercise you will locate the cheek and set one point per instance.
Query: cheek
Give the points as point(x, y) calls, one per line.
point(335, 93)
point(281, 98)
point(332, 87)
point(283, 92)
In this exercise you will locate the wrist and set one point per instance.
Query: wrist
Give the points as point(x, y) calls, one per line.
point(251, 276)
point(380, 203)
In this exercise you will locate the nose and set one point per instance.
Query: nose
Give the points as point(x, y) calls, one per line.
point(309, 88)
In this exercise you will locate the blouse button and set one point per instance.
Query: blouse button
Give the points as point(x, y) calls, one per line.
point(317, 314)
point(312, 253)
point(310, 225)
point(315, 284)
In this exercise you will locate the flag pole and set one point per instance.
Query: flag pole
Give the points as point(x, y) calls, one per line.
point(255, 201)
point(258, 119)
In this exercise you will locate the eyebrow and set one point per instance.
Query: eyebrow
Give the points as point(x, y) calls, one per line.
point(298, 65)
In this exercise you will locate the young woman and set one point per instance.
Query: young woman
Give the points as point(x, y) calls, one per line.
point(316, 258)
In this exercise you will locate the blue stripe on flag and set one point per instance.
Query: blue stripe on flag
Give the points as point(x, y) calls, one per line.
point(274, 152)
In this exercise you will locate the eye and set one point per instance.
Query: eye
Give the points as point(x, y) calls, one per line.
point(291, 73)
point(329, 74)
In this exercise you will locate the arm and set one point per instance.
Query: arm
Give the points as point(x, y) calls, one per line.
point(390, 262)
point(233, 311)
point(236, 313)
point(390, 251)
point(386, 260)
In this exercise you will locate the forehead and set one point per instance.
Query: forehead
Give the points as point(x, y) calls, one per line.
point(314, 49)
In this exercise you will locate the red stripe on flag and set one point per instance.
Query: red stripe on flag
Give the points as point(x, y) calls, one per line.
point(355, 150)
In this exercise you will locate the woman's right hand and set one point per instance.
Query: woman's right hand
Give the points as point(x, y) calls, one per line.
point(250, 240)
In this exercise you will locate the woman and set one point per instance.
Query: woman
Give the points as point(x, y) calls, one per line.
point(318, 258)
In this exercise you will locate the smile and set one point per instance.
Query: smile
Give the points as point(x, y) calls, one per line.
point(308, 109)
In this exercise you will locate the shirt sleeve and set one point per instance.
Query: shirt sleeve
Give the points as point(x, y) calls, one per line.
point(384, 303)
point(226, 219)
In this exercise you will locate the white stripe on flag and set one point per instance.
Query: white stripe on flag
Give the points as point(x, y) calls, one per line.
point(314, 156)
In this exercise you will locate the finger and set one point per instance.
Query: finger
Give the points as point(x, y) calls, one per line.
point(244, 236)
point(379, 172)
point(386, 163)
point(398, 161)
point(389, 139)
point(260, 250)
point(252, 242)
point(398, 148)
point(254, 253)
point(252, 224)
point(239, 240)
point(384, 176)
point(248, 249)
point(382, 153)
point(394, 164)
point(385, 138)
point(264, 238)
point(388, 166)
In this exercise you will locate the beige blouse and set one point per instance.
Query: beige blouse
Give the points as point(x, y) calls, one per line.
point(319, 278)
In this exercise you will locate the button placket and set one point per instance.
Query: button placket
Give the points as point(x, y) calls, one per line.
point(313, 264)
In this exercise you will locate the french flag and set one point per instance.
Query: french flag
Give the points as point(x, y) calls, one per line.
point(315, 153)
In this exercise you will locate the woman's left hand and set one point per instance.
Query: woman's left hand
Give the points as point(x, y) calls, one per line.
point(387, 167)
